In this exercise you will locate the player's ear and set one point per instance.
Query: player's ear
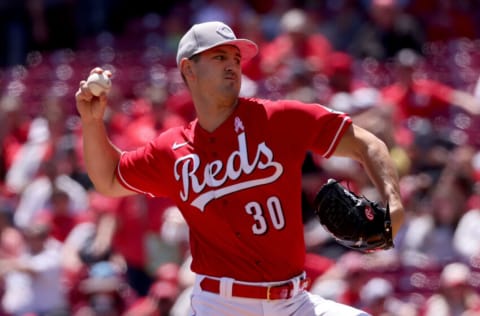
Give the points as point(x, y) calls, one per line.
point(186, 67)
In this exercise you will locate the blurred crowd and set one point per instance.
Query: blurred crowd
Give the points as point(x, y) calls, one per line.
point(406, 70)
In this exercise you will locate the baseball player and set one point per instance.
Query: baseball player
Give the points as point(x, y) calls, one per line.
point(235, 174)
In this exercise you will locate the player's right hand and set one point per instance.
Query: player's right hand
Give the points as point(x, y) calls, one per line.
point(90, 107)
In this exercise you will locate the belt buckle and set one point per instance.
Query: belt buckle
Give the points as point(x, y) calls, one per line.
point(285, 293)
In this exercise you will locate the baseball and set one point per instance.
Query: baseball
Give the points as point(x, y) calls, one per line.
point(99, 83)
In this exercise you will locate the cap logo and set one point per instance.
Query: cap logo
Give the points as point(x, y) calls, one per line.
point(225, 32)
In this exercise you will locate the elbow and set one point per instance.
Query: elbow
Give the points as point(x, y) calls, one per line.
point(371, 148)
point(377, 145)
point(365, 146)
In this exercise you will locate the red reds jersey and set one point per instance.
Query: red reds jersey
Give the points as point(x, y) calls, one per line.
point(425, 98)
point(239, 187)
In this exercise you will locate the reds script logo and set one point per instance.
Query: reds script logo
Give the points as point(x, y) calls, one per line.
point(187, 168)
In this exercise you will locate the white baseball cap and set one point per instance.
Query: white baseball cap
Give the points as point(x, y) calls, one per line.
point(203, 36)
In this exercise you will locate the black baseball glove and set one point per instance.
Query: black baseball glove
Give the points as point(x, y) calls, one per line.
point(355, 222)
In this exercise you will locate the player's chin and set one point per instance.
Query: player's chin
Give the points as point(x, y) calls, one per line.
point(232, 82)
point(232, 88)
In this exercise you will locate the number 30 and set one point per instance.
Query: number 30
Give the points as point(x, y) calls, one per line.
point(275, 211)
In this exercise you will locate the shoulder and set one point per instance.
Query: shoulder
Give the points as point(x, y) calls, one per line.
point(174, 131)
point(171, 135)
point(277, 105)
point(288, 111)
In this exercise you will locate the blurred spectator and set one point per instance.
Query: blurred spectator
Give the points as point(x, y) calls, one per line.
point(342, 22)
point(173, 27)
point(181, 104)
point(466, 239)
point(11, 240)
point(104, 292)
point(150, 115)
point(349, 93)
point(296, 47)
point(297, 85)
point(251, 27)
point(447, 20)
point(54, 112)
point(29, 156)
point(34, 280)
point(378, 298)
point(476, 91)
point(174, 233)
point(158, 302)
point(58, 215)
point(467, 236)
point(83, 246)
point(339, 69)
point(271, 12)
point(344, 280)
point(15, 130)
point(186, 280)
point(456, 296)
point(36, 194)
point(76, 170)
point(388, 30)
point(124, 228)
point(11, 246)
point(413, 95)
point(316, 265)
point(162, 294)
point(428, 237)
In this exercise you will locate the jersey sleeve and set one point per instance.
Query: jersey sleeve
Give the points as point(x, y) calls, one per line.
point(320, 127)
point(143, 170)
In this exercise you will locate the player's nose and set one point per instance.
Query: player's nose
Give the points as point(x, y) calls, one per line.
point(232, 66)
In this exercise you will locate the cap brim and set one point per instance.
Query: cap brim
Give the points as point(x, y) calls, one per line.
point(248, 49)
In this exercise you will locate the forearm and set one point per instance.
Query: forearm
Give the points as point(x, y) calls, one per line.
point(100, 155)
point(383, 174)
point(373, 154)
point(381, 170)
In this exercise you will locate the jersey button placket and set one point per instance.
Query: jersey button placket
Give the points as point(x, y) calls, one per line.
point(212, 141)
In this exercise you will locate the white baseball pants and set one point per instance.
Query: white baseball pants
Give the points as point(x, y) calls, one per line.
point(302, 303)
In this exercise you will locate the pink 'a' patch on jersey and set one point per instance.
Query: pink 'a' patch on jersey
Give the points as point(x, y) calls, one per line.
point(239, 187)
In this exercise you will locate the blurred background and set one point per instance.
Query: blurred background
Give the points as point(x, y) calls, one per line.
point(406, 70)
